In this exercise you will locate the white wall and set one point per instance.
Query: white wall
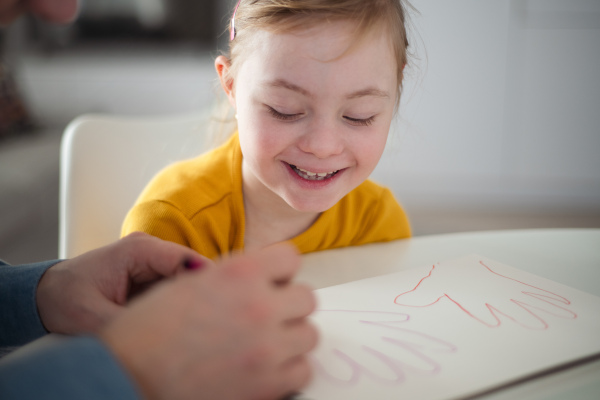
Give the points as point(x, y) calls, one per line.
point(502, 112)
point(138, 80)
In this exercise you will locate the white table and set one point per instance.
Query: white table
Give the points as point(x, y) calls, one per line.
point(568, 256)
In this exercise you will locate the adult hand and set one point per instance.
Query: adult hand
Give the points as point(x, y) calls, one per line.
point(55, 11)
point(81, 294)
point(235, 331)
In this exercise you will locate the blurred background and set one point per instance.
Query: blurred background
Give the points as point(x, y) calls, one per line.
point(499, 126)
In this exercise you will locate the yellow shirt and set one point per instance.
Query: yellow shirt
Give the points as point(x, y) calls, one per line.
point(199, 203)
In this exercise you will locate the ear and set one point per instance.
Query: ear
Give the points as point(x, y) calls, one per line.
point(222, 65)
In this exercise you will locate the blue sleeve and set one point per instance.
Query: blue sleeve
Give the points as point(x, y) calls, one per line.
point(62, 367)
point(19, 319)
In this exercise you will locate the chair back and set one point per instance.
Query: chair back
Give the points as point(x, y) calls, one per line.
point(106, 161)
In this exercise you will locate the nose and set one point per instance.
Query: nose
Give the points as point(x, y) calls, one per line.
point(322, 139)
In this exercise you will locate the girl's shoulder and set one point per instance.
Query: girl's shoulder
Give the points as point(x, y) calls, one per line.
point(376, 213)
point(367, 199)
point(369, 191)
point(201, 181)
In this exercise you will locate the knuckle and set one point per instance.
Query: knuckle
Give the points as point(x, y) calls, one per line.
point(130, 244)
point(241, 268)
point(133, 242)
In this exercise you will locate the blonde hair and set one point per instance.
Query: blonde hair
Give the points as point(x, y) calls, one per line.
point(287, 15)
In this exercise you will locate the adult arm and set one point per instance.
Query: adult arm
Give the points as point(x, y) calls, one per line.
point(19, 319)
point(61, 367)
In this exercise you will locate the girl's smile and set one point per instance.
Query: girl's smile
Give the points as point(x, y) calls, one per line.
point(310, 179)
point(313, 176)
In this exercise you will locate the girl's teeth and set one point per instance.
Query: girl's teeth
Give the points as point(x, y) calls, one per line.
point(312, 175)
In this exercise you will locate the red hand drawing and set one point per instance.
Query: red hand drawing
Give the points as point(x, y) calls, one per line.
point(394, 350)
point(487, 296)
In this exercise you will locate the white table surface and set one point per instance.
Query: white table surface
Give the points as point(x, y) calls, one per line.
point(567, 256)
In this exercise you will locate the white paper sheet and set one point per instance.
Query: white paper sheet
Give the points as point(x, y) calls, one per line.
point(447, 331)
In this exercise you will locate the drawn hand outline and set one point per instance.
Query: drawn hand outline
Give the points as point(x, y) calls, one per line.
point(523, 306)
point(397, 349)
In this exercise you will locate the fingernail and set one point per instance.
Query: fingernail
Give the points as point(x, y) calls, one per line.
point(193, 264)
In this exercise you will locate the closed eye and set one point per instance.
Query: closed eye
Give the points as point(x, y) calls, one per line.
point(360, 122)
point(282, 116)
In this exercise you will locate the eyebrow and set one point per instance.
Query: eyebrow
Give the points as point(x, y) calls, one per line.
point(282, 83)
point(368, 92)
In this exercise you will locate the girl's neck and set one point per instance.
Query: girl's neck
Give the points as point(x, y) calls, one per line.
point(269, 219)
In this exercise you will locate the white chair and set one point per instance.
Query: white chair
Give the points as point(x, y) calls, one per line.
point(106, 161)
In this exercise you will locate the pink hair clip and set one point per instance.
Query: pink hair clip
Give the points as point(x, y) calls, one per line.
point(232, 25)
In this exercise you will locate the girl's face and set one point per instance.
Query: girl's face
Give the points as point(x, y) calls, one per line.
point(313, 120)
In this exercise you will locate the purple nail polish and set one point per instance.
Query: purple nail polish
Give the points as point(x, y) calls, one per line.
point(193, 264)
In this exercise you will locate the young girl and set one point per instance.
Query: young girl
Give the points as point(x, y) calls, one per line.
point(315, 85)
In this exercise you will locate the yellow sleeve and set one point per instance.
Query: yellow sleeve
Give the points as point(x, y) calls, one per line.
point(159, 219)
point(165, 221)
point(386, 222)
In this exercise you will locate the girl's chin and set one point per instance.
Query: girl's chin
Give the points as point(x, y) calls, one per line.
point(311, 206)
